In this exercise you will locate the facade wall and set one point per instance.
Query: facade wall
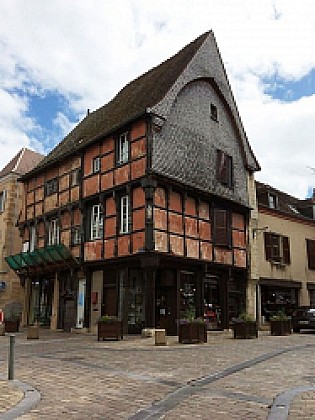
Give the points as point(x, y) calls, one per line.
point(10, 241)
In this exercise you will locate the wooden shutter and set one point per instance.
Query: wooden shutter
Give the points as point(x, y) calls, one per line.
point(311, 254)
point(224, 168)
point(286, 250)
point(221, 226)
point(268, 245)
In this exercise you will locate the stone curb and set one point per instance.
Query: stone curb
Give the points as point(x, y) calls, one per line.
point(281, 404)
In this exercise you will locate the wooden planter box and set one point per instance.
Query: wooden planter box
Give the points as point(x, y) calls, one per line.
point(245, 329)
point(32, 332)
point(192, 332)
point(280, 327)
point(11, 325)
point(112, 330)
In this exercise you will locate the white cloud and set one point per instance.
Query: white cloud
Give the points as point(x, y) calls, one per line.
point(88, 50)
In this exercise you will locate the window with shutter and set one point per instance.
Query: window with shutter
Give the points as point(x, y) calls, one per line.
point(224, 168)
point(222, 228)
point(311, 253)
point(277, 248)
point(286, 250)
point(267, 245)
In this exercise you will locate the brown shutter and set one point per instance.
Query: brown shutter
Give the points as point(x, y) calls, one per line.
point(221, 228)
point(268, 245)
point(286, 250)
point(311, 253)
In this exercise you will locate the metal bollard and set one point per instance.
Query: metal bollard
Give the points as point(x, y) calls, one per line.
point(11, 357)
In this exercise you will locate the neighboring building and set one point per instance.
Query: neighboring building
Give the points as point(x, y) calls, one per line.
point(11, 196)
point(285, 238)
point(142, 210)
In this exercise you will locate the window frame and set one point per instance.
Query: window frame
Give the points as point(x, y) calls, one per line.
point(75, 178)
point(32, 241)
point(222, 228)
point(310, 251)
point(96, 222)
point(224, 169)
point(53, 232)
point(122, 148)
point(2, 201)
point(272, 201)
point(51, 186)
point(277, 248)
point(124, 215)
point(76, 235)
point(214, 112)
point(96, 165)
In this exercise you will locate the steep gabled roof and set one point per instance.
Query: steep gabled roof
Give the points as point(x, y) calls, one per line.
point(131, 102)
point(22, 163)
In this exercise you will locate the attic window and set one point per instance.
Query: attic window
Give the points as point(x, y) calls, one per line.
point(272, 201)
point(51, 186)
point(214, 112)
point(122, 148)
point(224, 169)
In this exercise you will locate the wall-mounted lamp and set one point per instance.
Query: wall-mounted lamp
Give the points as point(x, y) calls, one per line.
point(256, 231)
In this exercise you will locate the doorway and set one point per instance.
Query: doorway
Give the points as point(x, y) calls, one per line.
point(166, 301)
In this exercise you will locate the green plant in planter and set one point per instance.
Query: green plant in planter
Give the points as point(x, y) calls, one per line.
point(107, 318)
point(280, 316)
point(245, 317)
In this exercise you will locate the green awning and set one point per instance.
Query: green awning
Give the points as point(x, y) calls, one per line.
point(48, 256)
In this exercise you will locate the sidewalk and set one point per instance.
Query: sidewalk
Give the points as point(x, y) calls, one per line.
point(78, 377)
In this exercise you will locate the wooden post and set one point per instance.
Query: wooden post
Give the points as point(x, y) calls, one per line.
point(55, 304)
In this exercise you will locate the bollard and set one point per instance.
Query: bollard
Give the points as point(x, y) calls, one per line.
point(11, 357)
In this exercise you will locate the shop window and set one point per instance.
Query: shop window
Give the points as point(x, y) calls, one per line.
point(222, 228)
point(224, 169)
point(277, 248)
point(124, 214)
point(51, 186)
point(96, 231)
point(310, 246)
point(53, 232)
point(123, 149)
point(2, 199)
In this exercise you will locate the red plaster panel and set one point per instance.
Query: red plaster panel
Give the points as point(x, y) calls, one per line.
point(110, 206)
point(109, 248)
point(76, 162)
point(206, 251)
point(41, 229)
point(138, 197)
point(138, 148)
point(138, 129)
point(30, 198)
point(75, 194)
point(160, 219)
point(65, 237)
point(26, 235)
point(41, 243)
point(138, 168)
point(223, 256)
point(51, 202)
point(39, 194)
point(160, 239)
point(39, 181)
point(75, 251)
point(89, 155)
point(177, 245)
point(76, 217)
point(92, 250)
point(175, 223)
point(192, 247)
point(123, 245)
point(176, 202)
point(63, 182)
point(108, 145)
point(38, 209)
point(238, 221)
point(191, 206)
point(65, 220)
point(240, 258)
point(138, 241)
point(239, 239)
point(160, 197)
point(65, 167)
point(108, 162)
point(63, 198)
point(52, 173)
point(90, 185)
point(191, 227)
point(110, 227)
point(122, 175)
point(204, 230)
point(107, 181)
point(138, 219)
point(204, 210)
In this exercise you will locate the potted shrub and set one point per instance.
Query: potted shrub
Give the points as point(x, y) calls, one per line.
point(109, 327)
point(191, 329)
point(245, 326)
point(280, 324)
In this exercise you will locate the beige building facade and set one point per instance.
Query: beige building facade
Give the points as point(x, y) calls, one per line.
point(283, 245)
point(11, 198)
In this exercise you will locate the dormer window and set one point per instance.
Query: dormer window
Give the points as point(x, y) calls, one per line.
point(123, 148)
point(96, 164)
point(214, 112)
point(272, 201)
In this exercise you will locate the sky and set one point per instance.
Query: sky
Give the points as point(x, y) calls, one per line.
point(59, 58)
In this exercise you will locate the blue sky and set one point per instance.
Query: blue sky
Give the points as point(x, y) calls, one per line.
point(52, 71)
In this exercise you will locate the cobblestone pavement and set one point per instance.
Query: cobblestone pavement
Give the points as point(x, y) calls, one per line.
point(80, 378)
